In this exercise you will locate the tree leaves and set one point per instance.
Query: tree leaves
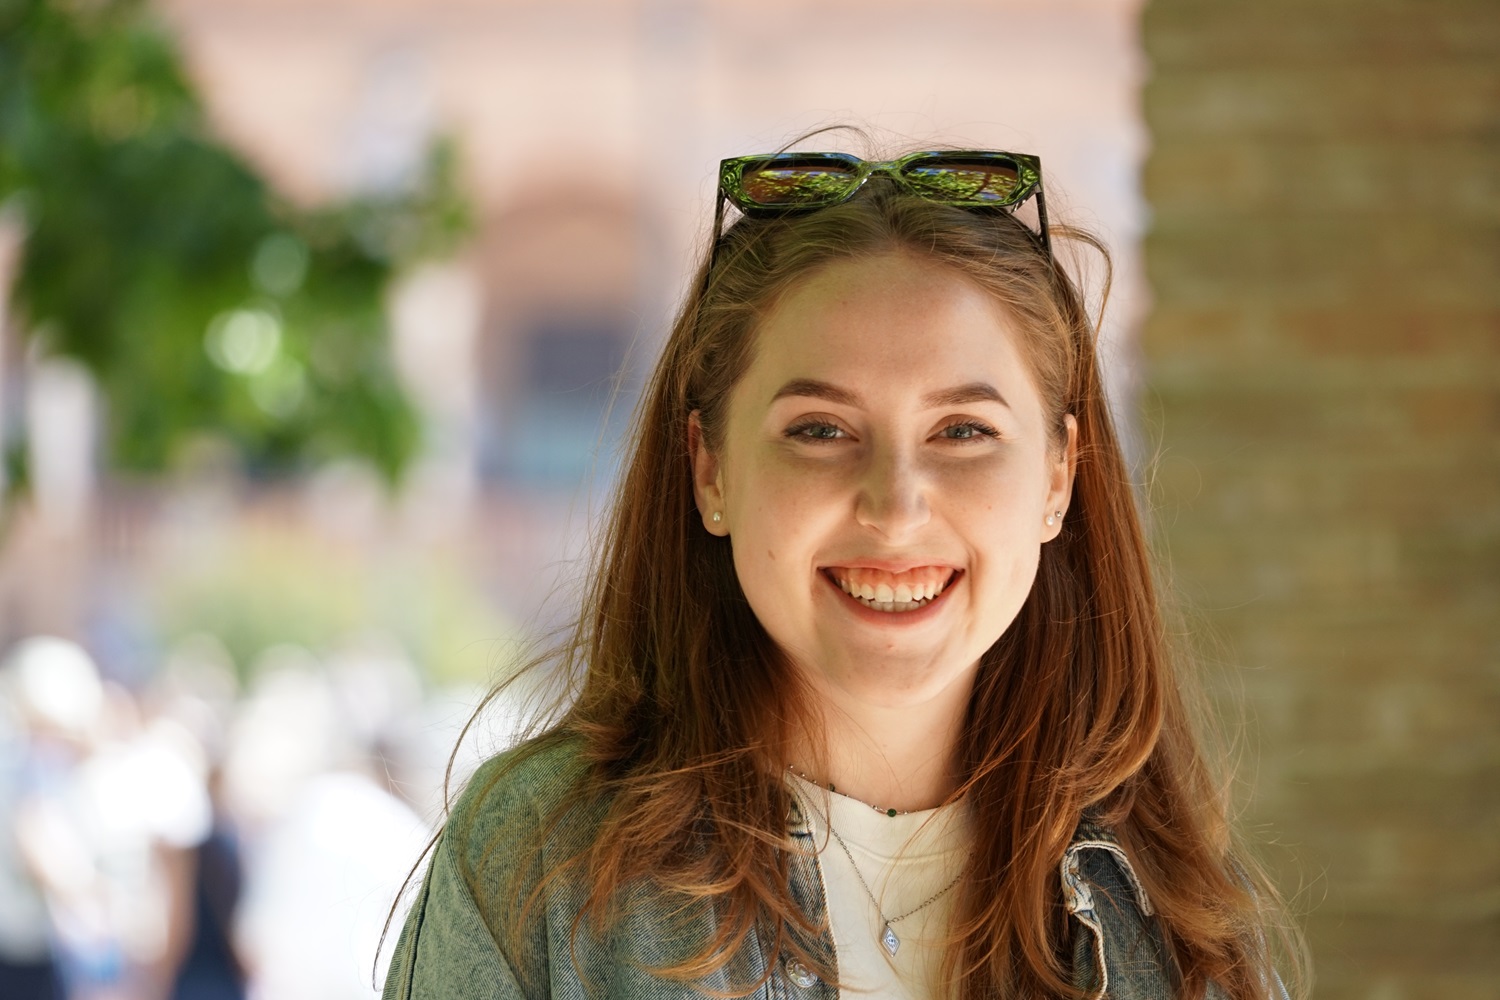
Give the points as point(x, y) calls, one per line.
point(147, 241)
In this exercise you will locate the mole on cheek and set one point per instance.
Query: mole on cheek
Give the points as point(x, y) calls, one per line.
point(770, 555)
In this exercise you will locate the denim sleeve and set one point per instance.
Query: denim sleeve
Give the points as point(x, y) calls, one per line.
point(446, 951)
point(1119, 953)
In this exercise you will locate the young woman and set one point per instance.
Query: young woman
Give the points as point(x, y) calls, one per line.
point(872, 693)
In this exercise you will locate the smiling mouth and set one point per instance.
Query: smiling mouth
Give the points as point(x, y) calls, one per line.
point(893, 593)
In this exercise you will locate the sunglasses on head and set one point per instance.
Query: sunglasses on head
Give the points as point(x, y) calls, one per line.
point(771, 184)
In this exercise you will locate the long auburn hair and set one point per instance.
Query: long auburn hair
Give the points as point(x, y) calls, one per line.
point(685, 709)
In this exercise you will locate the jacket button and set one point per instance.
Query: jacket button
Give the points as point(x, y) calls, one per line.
point(799, 973)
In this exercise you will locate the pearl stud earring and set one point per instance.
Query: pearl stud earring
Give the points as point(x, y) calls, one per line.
point(717, 517)
point(1054, 518)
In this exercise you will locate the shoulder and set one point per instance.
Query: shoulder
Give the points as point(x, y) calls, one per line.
point(528, 780)
point(501, 835)
point(501, 875)
point(526, 808)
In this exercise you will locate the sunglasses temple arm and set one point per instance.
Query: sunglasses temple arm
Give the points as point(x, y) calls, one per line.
point(713, 247)
point(1041, 214)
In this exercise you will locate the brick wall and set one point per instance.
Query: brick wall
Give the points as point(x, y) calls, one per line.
point(1323, 371)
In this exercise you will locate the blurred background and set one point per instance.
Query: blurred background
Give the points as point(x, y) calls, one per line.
point(320, 322)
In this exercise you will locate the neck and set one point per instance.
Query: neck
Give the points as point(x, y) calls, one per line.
point(899, 757)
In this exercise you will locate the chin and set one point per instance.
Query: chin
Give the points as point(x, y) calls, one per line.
point(895, 681)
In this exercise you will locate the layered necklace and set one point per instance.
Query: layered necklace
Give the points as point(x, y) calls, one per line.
point(887, 937)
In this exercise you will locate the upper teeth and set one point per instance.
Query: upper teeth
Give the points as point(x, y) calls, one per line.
point(902, 593)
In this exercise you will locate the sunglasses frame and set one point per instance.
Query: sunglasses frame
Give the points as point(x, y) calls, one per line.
point(1028, 171)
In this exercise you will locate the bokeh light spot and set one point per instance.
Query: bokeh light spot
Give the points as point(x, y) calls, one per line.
point(279, 264)
point(280, 389)
point(244, 341)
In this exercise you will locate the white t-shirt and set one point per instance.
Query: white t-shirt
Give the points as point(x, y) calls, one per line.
point(904, 860)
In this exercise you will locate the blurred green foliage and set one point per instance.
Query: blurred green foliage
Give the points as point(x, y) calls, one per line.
point(202, 302)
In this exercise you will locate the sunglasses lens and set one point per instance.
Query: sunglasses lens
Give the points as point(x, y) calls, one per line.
point(789, 185)
point(988, 182)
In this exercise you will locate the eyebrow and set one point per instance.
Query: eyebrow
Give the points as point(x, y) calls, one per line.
point(970, 392)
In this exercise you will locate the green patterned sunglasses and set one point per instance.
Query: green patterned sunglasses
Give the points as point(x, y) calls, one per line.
point(781, 183)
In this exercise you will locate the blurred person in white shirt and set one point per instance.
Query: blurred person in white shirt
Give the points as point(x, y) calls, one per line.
point(330, 839)
point(114, 797)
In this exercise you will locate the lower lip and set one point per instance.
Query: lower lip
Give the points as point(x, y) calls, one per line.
point(894, 618)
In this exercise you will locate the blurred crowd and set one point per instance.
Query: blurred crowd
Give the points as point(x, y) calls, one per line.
point(197, 838)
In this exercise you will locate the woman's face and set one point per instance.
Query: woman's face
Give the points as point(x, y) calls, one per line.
point(884, 479)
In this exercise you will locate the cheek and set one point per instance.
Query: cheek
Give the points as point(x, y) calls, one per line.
point(770, 511)
point(1000, 516)
point(1008, 490)
point(775, 496)
point(1015, 549)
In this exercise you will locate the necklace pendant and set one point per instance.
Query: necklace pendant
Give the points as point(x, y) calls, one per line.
point(890, 940)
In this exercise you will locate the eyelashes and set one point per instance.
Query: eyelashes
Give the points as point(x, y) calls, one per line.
point(974, 429)
point(967, 429)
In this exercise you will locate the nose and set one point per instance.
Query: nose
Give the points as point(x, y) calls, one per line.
point(892, 497)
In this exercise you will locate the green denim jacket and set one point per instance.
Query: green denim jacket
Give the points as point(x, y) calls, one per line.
point(448, 951)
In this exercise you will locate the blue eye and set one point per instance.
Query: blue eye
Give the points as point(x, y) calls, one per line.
point(814, 431)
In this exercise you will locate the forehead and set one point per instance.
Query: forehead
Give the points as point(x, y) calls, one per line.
point(896, 324)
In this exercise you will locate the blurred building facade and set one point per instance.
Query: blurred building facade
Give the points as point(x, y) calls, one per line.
point(590, 133)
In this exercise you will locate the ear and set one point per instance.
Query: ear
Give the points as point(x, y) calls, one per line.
point(708, 480)
point(1060, 481)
